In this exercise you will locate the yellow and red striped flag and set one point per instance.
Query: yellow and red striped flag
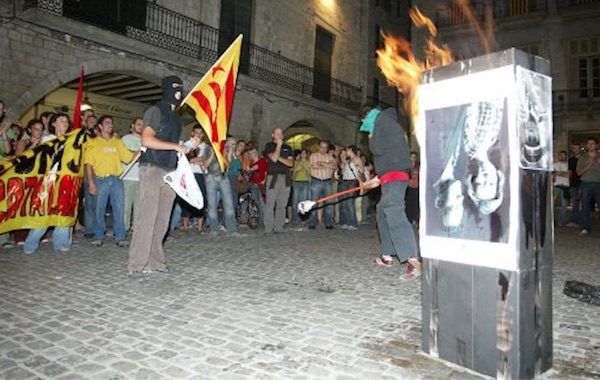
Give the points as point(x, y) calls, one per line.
point(212, 98)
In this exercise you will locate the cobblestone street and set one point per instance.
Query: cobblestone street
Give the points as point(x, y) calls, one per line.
point(302, 304)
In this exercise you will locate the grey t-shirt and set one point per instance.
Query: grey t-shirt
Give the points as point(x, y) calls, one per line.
point(593, 173)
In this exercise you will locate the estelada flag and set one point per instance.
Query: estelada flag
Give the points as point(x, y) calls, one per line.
point(212, 98)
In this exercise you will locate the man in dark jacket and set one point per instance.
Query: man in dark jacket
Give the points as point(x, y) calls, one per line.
point(160, 137)
point(391, 157)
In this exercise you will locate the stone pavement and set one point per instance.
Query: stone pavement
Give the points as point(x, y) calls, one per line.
point(297, 305)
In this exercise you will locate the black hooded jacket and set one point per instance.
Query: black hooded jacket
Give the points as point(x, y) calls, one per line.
point(389, 144)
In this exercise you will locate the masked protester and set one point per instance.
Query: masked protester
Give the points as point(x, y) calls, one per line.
point(391, 157)
point(160, 137)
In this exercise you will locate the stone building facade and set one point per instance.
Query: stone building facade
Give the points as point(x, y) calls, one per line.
point(390, 17)
point(304, 61)
point(567, 32)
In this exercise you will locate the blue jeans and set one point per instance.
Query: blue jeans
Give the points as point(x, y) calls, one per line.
point(395, 231)
point(348, 204)
point(61, 239)
point(234, 195)
point(220, 184)
point(575, 204)
point(110, 188)
point(258, 199)
point(89, 210)
point(589, 190)
point(559, 195)
point(300, 193)
point(175, 216)
point(319, 189)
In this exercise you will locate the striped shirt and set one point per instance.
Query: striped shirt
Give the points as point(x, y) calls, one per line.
point(322, 173)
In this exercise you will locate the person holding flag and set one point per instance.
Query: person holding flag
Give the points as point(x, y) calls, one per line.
point(211, 100)
point(160, 137)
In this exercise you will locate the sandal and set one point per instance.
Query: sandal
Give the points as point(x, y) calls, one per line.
point(384, 261)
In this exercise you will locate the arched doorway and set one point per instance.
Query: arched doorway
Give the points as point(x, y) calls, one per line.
point(121, 95)
point(303, 135)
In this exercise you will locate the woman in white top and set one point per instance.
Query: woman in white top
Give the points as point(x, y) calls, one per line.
point(58, 125)
point(352, 173)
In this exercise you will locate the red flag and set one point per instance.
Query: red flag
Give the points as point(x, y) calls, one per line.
point(77, 111)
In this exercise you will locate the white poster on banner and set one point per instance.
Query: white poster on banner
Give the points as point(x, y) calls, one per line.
point(183, 182)
point(469, 169)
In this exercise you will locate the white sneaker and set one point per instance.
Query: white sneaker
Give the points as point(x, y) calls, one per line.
point(583, 232)
point(351, 228)
point(344, 226)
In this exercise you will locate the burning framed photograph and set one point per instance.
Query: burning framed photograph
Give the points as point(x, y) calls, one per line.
point(467, 128)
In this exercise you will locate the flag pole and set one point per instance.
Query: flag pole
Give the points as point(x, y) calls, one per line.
point(77, 110)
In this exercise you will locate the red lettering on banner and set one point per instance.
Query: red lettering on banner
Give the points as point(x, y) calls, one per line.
point(50, 208)
point(2, 197)
point(36, 204)
point(30, 184)
point(15, 197)
point(23, 197)
point(64, 195)
point(68, 195)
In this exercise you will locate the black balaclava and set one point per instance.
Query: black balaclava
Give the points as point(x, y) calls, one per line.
point(168, 91)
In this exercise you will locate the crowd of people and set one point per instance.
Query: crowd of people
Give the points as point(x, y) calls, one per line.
point(577, 183)
point(276, 177)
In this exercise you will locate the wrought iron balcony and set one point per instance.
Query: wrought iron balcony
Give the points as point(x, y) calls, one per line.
point(562, 4)
point(453, 14)
point(174, 31)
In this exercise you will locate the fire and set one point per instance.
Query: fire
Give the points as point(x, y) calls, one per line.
point(402, 70)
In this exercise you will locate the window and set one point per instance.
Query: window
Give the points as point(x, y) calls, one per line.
point(375, 90)
point(323, 64)
point(112, 14)
point(236, 19)
point(384, 4)
point(589, 77)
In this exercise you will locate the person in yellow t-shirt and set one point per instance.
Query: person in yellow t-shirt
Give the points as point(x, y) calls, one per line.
point(103, 167)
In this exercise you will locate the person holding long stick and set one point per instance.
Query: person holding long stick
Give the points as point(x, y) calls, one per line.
point(391, 155)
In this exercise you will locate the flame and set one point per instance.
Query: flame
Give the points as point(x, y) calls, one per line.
point(403, 71)
point(420, 20)
point(485, 29)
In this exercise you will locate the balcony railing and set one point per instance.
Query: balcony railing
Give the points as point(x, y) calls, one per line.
point(576, 100)
point(500, 9)
point(173, 31)
point(575, 3)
